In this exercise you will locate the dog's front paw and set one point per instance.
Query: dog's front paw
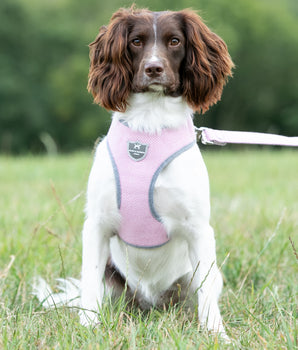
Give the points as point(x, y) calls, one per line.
point(212, 321)
point(223, 335)
point(91, 298)
point(217, 330)
point(88, 318)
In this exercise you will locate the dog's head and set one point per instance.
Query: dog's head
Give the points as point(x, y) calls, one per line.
point(173, 53)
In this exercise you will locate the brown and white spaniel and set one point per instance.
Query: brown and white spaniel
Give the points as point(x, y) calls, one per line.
point(148, 208)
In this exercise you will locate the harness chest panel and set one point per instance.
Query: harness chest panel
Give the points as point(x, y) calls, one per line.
point(137, 159)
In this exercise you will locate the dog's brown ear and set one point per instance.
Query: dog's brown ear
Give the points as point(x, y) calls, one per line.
point(207, 64)
point(110, 72)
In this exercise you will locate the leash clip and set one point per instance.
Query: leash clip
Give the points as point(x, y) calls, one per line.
point(203, 137)
point(198, 132)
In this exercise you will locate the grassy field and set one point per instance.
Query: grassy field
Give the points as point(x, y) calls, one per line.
point(255, 217)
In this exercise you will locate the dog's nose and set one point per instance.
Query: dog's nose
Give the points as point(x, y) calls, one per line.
point(154, 69)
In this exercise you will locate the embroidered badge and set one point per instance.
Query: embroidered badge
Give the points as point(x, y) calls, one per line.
point(137, 151)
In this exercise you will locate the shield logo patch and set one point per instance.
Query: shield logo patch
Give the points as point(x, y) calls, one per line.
point(137, 151)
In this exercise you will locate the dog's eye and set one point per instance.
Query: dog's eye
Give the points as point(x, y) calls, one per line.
point(137, 42)
point(174, 42)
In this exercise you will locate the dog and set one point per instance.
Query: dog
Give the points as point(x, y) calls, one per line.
point(147, 225)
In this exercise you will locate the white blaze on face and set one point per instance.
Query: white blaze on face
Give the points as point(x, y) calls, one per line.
point(154, 55)
point(154, 58)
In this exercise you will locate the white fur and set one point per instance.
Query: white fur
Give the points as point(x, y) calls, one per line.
point(151, 112)
point(154, 53)
point(182, 200)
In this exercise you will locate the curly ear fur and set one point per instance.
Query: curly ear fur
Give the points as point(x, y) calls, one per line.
point(110, 73)
point(207, 64)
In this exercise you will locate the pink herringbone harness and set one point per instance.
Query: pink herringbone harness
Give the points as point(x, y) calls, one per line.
point(137, 159)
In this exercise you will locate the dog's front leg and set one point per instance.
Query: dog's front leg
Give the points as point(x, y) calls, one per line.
point(207, 280)
point(95, 256)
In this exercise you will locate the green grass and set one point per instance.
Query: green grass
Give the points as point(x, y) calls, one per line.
point(255, 217)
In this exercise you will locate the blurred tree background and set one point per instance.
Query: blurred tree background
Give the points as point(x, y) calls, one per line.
point(44, 60)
